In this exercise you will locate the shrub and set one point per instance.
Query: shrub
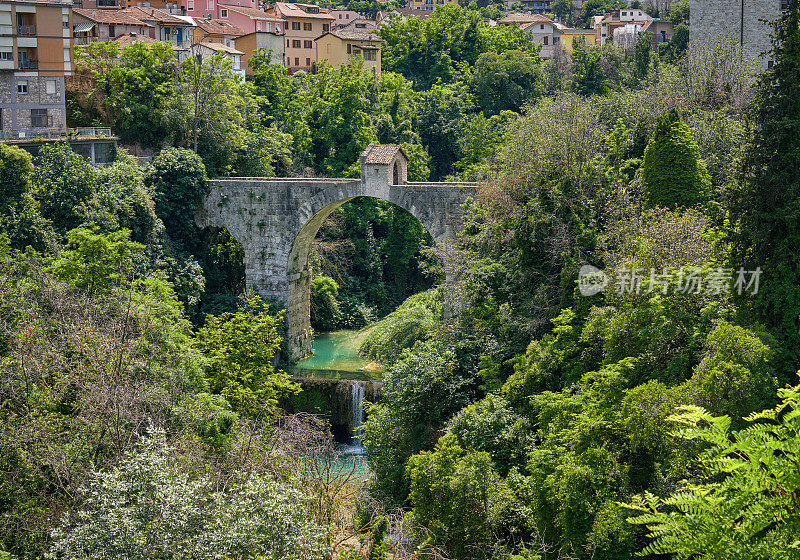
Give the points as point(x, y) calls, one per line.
point(150, 507)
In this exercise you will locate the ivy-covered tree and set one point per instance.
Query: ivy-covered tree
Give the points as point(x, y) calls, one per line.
point(764, 208)
point(673, 173)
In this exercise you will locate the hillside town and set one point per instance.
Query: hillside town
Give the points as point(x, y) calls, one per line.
point(40, 39)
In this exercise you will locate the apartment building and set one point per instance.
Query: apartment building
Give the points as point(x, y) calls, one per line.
point(35, 55)
point(630, 20)
point(356, 41)
point(304, 23)
point(429, 5)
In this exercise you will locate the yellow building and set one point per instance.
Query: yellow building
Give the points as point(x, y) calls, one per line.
point(357, 40)
point(570, 35)
point(304, 23)
point(429, 5)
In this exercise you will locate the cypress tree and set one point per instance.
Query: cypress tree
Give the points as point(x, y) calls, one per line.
point(765, 209)
point(673, 172)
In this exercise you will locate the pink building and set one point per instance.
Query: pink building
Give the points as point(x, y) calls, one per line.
point(244, 14)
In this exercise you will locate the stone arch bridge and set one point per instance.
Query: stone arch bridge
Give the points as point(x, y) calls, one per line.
point(277, 219)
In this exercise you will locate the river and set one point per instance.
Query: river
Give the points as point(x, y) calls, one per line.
point(336, 357)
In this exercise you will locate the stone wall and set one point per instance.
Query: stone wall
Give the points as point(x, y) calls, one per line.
point(277, 219)
point(738, 20)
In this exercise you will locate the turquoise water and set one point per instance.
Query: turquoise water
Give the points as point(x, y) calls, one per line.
point(336, 356)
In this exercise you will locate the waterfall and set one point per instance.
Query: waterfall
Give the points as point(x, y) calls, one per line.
point(356, 411)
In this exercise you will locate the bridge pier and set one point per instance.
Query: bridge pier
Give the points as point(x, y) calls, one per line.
point(277, 219)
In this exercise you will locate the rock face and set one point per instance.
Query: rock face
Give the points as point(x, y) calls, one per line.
point(276, 220)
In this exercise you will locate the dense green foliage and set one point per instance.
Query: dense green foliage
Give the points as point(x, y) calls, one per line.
point(746, 504)
point(149, 506)
point(522, 417)
point(672, 171)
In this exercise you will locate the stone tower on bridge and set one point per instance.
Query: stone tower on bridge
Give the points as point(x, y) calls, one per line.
point(277, 219)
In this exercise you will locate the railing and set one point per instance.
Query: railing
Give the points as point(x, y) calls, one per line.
point(107, 4)
point(85, 40)
point(50, 133)
point(26, 30)
point(28, 64)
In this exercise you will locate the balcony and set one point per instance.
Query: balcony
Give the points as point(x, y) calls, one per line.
point(28, 64)
point(26, 30)
point(55, 133)
point(107, 4)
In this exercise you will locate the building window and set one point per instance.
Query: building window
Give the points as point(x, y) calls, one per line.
point(288, 61)
point(296, 43)
point(349, 48)
point(326, 27)
point(65, 24)
point(38, 118)
point(297, 61)
point(112, 31)
point(340, 16)
point(6, 55)
point(258, 26)
point(307, 27)
point(295, 26)
point(308, 62)
point(50, 87)
point(541, 26)
point(370, 55)
point(22, 86)
point(287, 43)
point(545, 40)
point(190, 5)
point(307, 45)
point(209, 4)
point(223, 13)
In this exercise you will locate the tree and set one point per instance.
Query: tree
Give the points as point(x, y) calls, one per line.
point(641, 55)
point(506, 81)
point(672, 171)
point(16, 169)
point(96, 262)
point(65, 185)
point(764, 208)
point(588, 77)
point(206, 108)
point(177, 179)
point(562, 9)
point(133, 86)
point(746, 503)
point(240, 349)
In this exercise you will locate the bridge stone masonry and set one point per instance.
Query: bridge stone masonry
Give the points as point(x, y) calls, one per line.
point(277, 219)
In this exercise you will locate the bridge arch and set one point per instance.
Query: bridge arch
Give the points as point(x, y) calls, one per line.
point(277, 219)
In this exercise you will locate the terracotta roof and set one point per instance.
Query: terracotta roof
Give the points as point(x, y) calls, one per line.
point(526, 26)
point(523, 18)
point(353, 35)
point(220, 47)
point(253, 13)
point(113, 17)
point(297, 11)
point(132, 38)
point(153, 14)
point(409, 12)
point(381, 154)
point(217, 27)
point(368, 25)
